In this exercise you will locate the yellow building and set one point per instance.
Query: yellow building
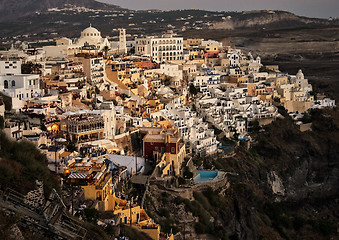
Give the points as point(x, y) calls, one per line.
point(124, 74)
point(99, 186)
point(242, 80)
point(137, 217)
point(192, 42)
point(100, 189)
point(299, 102)
point(96, 180)
point(278, 81)
point(188, 70)
point(148, 73)
point(154, 105)
point(198, 61)
point(211, 48)
point(268, 97)
point(168, 149)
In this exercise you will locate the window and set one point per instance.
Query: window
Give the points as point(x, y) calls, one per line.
point(13, 83)
point(173, 150)
point(5, 84)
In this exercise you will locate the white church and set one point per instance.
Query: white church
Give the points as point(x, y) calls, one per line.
point(90, 40)
point(91, 37)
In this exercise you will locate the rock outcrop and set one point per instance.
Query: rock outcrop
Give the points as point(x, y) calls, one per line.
point(266, 18)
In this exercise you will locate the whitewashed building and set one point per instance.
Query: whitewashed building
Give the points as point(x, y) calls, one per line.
point(206, 81)
point(171, 70)
point(21, 86)
point(160, 49)
point(94, 68)
point(10, 66)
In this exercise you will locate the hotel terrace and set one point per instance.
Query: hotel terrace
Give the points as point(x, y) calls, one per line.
point(96, 180)
point(84, 127)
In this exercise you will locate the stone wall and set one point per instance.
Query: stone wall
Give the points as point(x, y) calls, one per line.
point(35, 198)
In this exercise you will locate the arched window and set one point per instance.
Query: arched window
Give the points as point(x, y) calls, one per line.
point(5, 84)
point(13, 83)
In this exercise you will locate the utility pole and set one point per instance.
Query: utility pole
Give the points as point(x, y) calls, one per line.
point(130, 211)
point(72, 199)
point(136, 164)
point(55, 156)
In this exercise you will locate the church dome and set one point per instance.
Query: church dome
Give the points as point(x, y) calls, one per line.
point(90, 32)
point(91, 37)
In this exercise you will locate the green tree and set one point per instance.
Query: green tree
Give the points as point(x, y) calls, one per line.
point(106, 49)
point(188, 174)
point(193, 90)
point(22, 163)
point(2, 122)
point(7, 101)
point(109, 229)
point(71, 147)
point(43, 127)
point(91, 215)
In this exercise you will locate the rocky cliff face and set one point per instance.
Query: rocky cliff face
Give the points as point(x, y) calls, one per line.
point(266, 19)
point(285, 187)
point(307, 162)
point(15, 9)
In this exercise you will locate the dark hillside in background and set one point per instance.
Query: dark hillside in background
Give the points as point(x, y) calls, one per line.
point(10, 10)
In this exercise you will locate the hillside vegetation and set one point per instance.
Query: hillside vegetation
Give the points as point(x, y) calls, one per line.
point(21, 163)
point(307, 164)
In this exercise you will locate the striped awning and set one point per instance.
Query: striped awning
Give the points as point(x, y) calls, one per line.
point(77, 176)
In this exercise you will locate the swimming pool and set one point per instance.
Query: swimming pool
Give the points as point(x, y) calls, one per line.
point(204, 176)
